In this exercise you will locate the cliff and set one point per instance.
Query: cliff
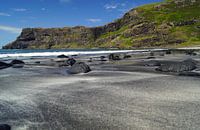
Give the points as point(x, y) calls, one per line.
point(172, 23)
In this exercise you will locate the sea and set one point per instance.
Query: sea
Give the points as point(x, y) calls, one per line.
point(21, 54)
point(6, 54)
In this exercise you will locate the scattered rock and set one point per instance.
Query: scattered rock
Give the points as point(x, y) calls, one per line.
point(102, 58)
point(71, 61)
point(115, 56)
point(37, 62)
point(151, 57)
point(17, 64)
point(62, 56)
point(191, 53)
point(127, 56)
point(5, 127)
point(168, 52)
point(78, 68)
point(90, 60)
point(4, 65)
point(184, 66)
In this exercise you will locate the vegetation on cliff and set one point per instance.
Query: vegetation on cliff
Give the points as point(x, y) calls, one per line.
point(172, 23)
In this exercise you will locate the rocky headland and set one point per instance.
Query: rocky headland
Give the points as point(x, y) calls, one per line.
point(172, 23)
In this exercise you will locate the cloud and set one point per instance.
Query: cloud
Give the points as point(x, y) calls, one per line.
point(20, 9)
point(64, 1)
point(115, 5)
point(43, 9)
point(94, 20)
point(10, 29)
point(4, 14)
point(110, 6)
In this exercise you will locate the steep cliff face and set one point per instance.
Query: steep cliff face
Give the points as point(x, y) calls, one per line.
point(173, 23)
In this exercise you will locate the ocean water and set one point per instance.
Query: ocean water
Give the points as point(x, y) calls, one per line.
point(52, 53)
point(10, 54)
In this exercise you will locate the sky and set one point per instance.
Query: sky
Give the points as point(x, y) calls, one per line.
point(18, 14)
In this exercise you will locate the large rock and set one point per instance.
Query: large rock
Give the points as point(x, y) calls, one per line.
point(184, 66)
point(71, 61)
point(116, 56)
point(5, 127)
point(78, 68)
point(17, 63)
point(4, 65)
point(62, 56)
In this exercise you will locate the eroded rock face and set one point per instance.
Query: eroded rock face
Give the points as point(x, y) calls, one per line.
point(78, 68)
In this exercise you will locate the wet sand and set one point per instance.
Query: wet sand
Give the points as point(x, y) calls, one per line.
point(112, 96)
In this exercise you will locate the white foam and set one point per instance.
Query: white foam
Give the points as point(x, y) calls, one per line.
point(46, 54)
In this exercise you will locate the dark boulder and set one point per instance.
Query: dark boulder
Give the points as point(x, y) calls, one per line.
point(78, 68)
point(103, 58)
point(184, 66)
point(62, 56)
point(151, 57)
point(4, 65)
point(5, 127)
point(17, 64)
point(71, 61)
point(115, 57)
point(127, 56)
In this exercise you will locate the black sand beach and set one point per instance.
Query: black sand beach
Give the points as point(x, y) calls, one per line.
point(122, 94)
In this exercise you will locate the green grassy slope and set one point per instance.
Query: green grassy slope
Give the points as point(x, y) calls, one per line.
point(164, 24)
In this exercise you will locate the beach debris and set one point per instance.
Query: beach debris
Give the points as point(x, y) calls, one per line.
point(78, 68)
point(62, 56)
point(5, 127)
point(4, 65)
point(71, 61)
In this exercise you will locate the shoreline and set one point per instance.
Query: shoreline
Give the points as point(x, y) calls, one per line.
point(126, 93)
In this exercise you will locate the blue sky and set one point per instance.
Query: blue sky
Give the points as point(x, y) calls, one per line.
point(18, 14)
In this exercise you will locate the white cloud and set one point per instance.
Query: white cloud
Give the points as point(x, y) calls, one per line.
point(94, 20)
point(43, 9)
point(110, 6)
point(64, 1)
point(4, 14)
point(10, 29)
point(20, 9)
